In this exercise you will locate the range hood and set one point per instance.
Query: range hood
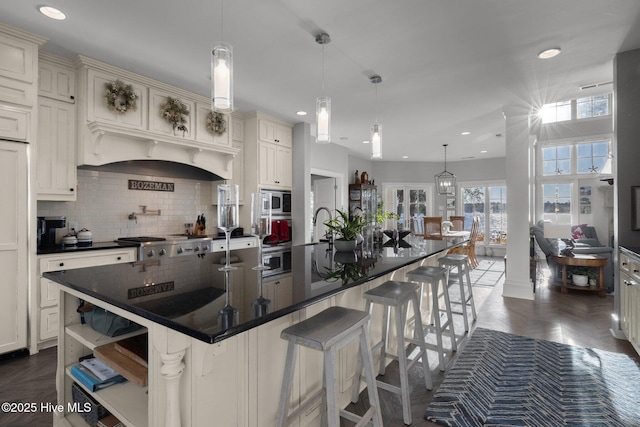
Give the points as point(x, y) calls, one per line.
point(156, 168)
point(140, 138)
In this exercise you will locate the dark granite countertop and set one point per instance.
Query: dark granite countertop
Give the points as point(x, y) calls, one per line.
point(193, 289)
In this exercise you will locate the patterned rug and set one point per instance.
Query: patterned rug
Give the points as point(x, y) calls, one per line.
point(504, 379)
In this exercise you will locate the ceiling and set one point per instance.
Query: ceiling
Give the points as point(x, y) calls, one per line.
point(446, 66)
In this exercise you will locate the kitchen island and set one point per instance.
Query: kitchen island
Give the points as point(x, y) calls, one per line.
point(200, 370)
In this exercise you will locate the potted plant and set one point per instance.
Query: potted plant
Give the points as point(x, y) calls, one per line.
point(345, 229)
point(379, 217)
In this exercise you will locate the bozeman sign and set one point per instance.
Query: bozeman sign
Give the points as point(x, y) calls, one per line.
point(151, 185)
point(150, 290)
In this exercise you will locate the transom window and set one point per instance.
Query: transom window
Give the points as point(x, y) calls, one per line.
point(576, 109)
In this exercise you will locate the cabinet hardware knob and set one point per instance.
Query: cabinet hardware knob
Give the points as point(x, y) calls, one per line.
point(624, 263)
point(71, 189)
point(72, 97)
point(635, 270)
point(61, 264)
point(119, 258)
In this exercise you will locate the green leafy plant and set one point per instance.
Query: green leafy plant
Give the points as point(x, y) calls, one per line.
point(344, 226)
point(590, 272)
point(380, 215)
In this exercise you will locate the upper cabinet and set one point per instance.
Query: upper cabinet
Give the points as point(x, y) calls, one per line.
point(56, 148)
point(57, 80)
point(18, 82)
point(274, 132)
point(141, 131)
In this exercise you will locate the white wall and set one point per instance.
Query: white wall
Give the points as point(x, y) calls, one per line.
point(467, 170)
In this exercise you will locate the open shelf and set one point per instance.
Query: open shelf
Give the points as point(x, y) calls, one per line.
point(126, 401)
point(91, 339)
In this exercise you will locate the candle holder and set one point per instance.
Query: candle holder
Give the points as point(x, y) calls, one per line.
point(228, 210)
point(261, 228)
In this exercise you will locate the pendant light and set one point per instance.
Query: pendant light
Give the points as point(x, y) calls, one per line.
point(376, 129)
point(222, 73)
point(445, 181)
point(323, 103)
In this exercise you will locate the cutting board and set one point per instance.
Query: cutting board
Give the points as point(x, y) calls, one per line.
point(124, 365)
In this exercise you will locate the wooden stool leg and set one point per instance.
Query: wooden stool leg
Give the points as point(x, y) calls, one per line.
point(287, 380)
point(372, 387)
point(463, 299)
point(420, 336)
point(333, 412)
point(470, 298)
point(447, 303)
point(402, 361)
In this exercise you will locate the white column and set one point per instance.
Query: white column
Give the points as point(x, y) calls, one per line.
point(519, 176)
point(171, 370)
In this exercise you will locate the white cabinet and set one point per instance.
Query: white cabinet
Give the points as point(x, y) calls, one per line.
point(18, 68)
point(237, 128)
point(13, 246)
point(279, 290)
point(14, 123)
point(44, 305)
point(275, 166)
point(56, 171)
point(56, 80)
point(274, 132)
point(630, 297)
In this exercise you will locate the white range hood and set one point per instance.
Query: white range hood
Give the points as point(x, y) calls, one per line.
point(106, 137)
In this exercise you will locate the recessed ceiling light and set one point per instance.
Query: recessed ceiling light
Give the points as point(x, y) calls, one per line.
point(366, 142)
point(549, 53)
point(52, 12)
point(301, 113)
point(483, 151)
point(465, 133)
point(405, 157)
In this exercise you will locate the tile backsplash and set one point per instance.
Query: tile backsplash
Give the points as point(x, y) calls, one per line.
point(104, 204)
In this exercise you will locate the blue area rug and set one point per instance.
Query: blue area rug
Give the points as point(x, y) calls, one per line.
point(508, 380)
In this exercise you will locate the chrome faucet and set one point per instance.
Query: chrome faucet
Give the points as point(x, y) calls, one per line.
point(315, 220)
point(315, 215)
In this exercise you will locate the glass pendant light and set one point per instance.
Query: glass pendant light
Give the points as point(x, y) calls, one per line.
point(323, 103)
point(222, 73)
point(376, 129)
point(445, 181)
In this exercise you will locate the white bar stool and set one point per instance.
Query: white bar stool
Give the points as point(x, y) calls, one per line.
point(397, 295)
point(466, 298)
point(329, 331)
point(434, 276)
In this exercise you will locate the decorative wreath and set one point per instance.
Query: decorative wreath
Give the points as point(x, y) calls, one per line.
point(216, 124)
point(120, 97)
point(175, 113)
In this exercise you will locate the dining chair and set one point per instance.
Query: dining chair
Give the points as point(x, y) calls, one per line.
point(457, 223)
point(432, 227)
point(469, 248)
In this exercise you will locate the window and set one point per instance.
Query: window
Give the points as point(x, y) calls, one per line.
point(575, 109)
point(592, 106)
point(556, 160)
point(556, 201)
point(576, 158)
point(479, 200)
point(410, 203)
point(592, 156)
point(556, 112)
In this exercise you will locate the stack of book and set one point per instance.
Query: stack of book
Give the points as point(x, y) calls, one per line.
point(95, 375)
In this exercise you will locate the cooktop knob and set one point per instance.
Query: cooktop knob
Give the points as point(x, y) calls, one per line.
point(151, 253)
point(205, 248)
point(196, 249)
point(180, 250)
point(162, 252)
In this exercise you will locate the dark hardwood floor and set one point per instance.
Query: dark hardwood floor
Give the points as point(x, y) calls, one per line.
point(576, 318)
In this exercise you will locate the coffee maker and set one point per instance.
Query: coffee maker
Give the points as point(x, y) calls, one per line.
point(47, 229)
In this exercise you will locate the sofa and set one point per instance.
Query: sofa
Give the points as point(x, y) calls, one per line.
point(589, 245)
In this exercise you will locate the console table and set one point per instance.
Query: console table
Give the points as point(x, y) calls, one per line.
point(579, 260)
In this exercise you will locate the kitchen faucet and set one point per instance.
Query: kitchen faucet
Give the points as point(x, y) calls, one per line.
point(315, 220)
